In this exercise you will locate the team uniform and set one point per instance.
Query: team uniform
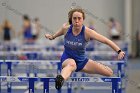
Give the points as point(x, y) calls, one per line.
point(28, 33)
point(75, 48)
point(6, 33)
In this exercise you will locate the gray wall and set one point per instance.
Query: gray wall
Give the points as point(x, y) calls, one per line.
point(136, 15)
point(53, 13)
point(136, 26)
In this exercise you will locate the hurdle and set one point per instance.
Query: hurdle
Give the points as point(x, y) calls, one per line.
point(116, 82)
point(10, 62)
point(120, 65)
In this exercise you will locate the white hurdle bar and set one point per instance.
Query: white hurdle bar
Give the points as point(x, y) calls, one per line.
point(120, 65)
point(116, 82)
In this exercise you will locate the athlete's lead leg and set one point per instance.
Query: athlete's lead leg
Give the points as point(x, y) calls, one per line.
point(68, 66)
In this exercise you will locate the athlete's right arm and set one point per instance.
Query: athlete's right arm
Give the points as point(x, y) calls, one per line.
point(60, 32)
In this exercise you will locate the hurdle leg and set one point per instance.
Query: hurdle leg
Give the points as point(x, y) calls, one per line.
point(45, 85)
point(69, 86)
point(116, 83)
point(120, 72)
point(28, 70)
point(9, 69)
point(35, 70)
point(31, 85)
point(9, 87)
point(9, 73)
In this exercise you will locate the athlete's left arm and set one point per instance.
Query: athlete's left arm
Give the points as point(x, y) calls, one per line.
point(93, 34)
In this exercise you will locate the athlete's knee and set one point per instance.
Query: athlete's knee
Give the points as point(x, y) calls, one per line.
point(72, 64)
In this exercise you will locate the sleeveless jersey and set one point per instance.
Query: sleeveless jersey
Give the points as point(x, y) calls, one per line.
point(75, 45)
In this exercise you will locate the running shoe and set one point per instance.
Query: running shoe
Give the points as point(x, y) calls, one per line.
point(59, 82)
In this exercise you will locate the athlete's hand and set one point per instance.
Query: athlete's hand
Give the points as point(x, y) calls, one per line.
point(48, 36)
point(121, 55)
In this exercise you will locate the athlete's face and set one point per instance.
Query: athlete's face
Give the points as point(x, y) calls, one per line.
point(77, 19)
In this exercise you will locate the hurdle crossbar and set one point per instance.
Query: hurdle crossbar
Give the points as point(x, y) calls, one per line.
point(116, 82)
point(118, 63)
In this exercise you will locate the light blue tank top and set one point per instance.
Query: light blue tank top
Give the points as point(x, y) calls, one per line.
point(75, 45)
